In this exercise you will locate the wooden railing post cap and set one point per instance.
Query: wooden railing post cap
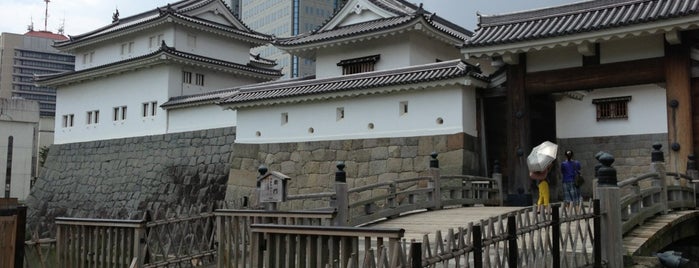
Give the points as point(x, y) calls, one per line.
point(434, 163)
point(691, 162)
point(657, 154)
point(340, 174)
point(606, 173)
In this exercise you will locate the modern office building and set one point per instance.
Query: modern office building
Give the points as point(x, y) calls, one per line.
point(24, 55)
point(285, 18)
point(235, 7)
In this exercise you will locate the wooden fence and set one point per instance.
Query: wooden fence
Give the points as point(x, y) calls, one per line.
point(236, 247)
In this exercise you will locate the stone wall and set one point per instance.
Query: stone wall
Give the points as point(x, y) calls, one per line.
point(631, 154)
point(121, 178)
point(312, 165)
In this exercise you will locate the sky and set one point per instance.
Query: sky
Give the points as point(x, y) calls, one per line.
point(80, 16)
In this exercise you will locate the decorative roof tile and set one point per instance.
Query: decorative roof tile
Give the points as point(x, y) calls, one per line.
point(576, 18)
point(403, 76)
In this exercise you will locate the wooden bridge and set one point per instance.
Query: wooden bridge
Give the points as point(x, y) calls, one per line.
point(432, 221)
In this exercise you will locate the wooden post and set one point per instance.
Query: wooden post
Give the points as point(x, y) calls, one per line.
point(597, 226)
point(139, 241)
point(19, 238)
point(512, 250)
point(477, 247)
point(518, 133)
point(678, 66)
point(415, 254)
point(658, 165)
point(436, 183)
point(341, 196)
point(610, 229)
point(556, 235)
point(497, 176)
point(693, 174)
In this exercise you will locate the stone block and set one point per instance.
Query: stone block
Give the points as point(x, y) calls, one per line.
point(394, 165)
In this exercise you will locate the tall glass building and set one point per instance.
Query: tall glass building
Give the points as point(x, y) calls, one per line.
point(284, 18)
point(24, 55)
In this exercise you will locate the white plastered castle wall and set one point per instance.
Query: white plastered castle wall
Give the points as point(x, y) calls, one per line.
point(395, 51)
point(200, 117)
point(647, 113)
point(130, 89)
point(434, 111)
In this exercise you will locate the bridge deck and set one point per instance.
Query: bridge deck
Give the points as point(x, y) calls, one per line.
point(418, 224)
point(634, 239)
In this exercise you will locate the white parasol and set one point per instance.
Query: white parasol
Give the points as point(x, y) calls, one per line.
point(542, 156)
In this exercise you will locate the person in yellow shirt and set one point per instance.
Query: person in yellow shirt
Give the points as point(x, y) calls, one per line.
point(543, 186)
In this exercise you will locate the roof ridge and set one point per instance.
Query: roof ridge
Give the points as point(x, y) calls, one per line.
point(556, 11)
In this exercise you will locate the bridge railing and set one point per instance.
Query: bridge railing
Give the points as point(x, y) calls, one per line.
point(371, 202)
point(656, 192)
point(522, 238)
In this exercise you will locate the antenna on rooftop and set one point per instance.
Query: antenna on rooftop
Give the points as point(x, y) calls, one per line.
point(30, 27)
point(46, 17)
point(62, 28)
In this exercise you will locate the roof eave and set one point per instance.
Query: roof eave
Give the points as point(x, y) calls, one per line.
point(159, 58)
point(420, 25)
point(169, 18)
point(353, 93)
point(665, 26)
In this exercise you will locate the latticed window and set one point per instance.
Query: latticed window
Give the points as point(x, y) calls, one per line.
point(359, 65)
point(612, 108)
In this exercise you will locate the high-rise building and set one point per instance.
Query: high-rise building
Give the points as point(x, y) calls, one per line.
point(285, 18)
point(235, 7)
point(24, 55)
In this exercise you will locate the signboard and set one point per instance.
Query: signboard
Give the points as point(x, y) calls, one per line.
point(271, 189)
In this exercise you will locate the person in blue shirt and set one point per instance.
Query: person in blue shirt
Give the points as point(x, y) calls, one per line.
point(569, 169)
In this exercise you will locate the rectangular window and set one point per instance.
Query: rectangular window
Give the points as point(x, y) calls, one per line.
point(285, 118)
point(87, 57)
point(340, 113)
point(186, 77)
point(93, 117)
point(199, 79)
point(403, 107)
point(612, 108)
point(126, 48)
point(68, 120)
point(149, 108)
point(155, 40)
point(359, 65)
point(119, 113)
point(153, 107)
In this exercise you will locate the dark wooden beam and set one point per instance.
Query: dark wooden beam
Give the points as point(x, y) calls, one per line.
point(597, 76)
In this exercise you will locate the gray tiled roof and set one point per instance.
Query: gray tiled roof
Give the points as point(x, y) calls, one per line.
point(403, 76)
point(159, 14)
point(165, 50)
point(576, 18)
point(198, 99)
point(406, 14)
